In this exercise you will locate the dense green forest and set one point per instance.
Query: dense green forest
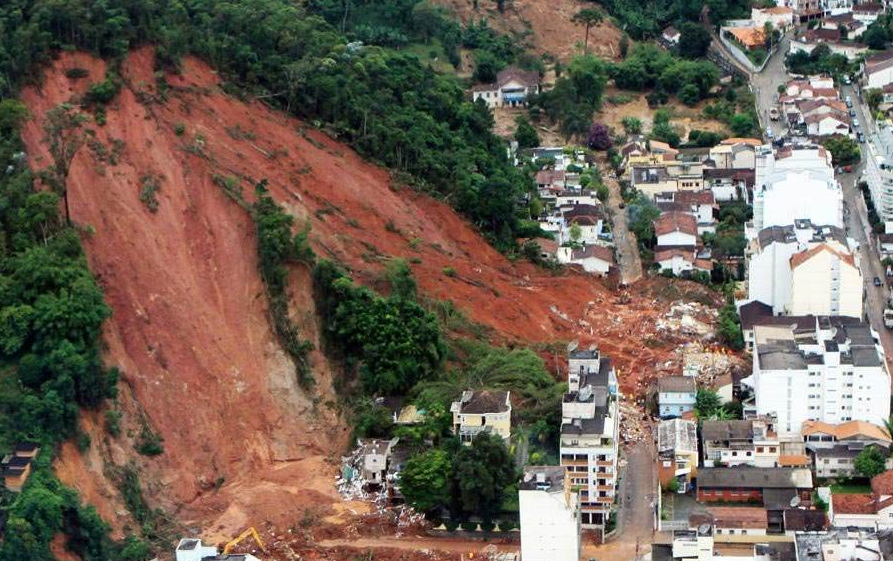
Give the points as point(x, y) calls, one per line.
point(390, 107)
point(643, 20)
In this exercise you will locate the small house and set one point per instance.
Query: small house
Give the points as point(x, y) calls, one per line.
point(482, 411)
point(512, 88)
point(676, 395)
point(677, 452)
point(671, 35)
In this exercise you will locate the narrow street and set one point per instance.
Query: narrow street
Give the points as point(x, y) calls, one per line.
point(635, 515)
point(765, 87)
point(625, 241)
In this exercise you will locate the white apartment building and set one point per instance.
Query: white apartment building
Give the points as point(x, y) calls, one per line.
point(549, 515)
point(879, 174)
point(802, 269)
point(784, 181)
point(590, 417)
point(833, 372)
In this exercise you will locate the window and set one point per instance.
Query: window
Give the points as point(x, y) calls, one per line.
point(759, 449)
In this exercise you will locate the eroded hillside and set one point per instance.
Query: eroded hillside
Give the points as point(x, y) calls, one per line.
point(243, 443)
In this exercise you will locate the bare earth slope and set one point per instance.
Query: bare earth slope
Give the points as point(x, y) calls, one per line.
point(189, 328)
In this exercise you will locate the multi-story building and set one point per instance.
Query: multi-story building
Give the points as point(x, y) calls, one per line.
point(512, 88)
point(482, 411)
point(879, 173)
point(834, 371)
point(590, 417)
point(785, 180)
point(801, 269)
point(550, 515)
point(834, 448)
point(677, 453)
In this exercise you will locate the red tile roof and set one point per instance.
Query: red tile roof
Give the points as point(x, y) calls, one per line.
point(594, 251)
point(804, 256)
point(882, 484)
point(842, 503)
point(675, 222)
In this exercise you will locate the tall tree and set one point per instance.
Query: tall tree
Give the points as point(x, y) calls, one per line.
point(64, 136)
point(588, 17)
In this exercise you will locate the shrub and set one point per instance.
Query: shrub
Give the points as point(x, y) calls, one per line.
point(449, 271)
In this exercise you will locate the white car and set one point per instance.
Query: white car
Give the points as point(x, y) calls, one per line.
point(856, 123)
point(769, 133)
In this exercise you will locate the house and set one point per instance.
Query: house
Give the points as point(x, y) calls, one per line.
point(851, 50)
point(596, 259)
point(877, 69)
point(512, 88)
point(676, 395)
point(750, 38)
point(750, 442)
point(671, 35)
point(729, 521)
point(867, 12)
point(861, 510)
point(676, 229)
point(681, 261)
point(652, 179)
point(804, 520)
point(756, 313)
point(16, 467)
point(375, 454)
point(846, 21)
point(780, 272)
point(885, 245)
point(677, 453)
point(781, 17)
point(834, 448)
point(827, 124)
point(729, 184)
point(700, 204)
point(770, 486)
point(482, 411)
point(589, 434)
point(832, 371)
point(549, 515)
point(805, 10)
point(740, 153)
point(192, 549)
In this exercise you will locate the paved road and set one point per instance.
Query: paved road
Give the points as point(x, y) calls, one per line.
point(857, 225)
point(765, 86)
point(625, 241)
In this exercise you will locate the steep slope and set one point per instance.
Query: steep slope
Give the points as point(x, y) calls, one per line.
point(243, 442)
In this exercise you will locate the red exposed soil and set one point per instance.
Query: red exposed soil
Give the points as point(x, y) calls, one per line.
point(189, 328)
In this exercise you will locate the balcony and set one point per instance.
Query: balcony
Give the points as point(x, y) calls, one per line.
point(574, 462)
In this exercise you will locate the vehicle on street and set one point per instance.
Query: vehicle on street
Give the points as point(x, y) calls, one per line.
point(877, 281)
point(769, 134)
point(846, 79)
point(861, 136)
point(849, 102)
point(856, 123)
point(852, 112)
point(888, 317)
point(848, 169)
point(773, 113)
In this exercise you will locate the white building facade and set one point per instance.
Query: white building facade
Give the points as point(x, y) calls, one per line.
point(834, 372)
point(549, 514)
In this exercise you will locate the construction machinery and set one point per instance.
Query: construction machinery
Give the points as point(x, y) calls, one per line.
point(249, 532)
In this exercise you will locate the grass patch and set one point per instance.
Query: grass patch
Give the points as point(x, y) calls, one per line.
point(852, 487)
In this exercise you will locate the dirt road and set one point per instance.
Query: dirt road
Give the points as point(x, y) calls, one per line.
point(627, 247)
point(417, 543)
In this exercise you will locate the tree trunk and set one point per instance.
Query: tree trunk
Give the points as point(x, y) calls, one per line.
point(586, 41)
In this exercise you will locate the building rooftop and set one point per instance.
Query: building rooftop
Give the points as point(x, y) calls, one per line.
point(675, 222)
point(882, 484)
point(731, 517)
point(804, 520)
point(755, 477)
point(677, 384)
point(484, 401)
point(542, 478)
point(845, 431)
point(858, 503)
point(594, 251)
point(727, 430)
point(677, 435)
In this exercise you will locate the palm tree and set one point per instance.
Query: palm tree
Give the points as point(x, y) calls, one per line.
point(588, 17)
point(888, 426)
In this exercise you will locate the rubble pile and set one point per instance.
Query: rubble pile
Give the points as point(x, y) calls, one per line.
point(689, 318)
point(707, 363)
point(634, 422)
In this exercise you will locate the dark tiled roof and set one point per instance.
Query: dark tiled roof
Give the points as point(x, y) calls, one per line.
point(486, 401)
point(802, 520)
point(749, 477)
point(677, 384)
point(727, 430)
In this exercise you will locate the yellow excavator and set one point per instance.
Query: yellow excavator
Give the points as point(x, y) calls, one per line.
point(249, 532)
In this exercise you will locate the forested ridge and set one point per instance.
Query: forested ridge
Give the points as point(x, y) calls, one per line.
point(390, 107)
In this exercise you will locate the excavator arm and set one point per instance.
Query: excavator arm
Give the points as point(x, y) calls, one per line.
point(249, 532)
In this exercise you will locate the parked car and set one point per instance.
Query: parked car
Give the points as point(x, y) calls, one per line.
point(846, 79)
point(852, 112)
point(773, 113)
point(856, 123)
point(861, 137)
point(770, 134)
point(877, 281)
point(849, 102)
point(848, 169)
